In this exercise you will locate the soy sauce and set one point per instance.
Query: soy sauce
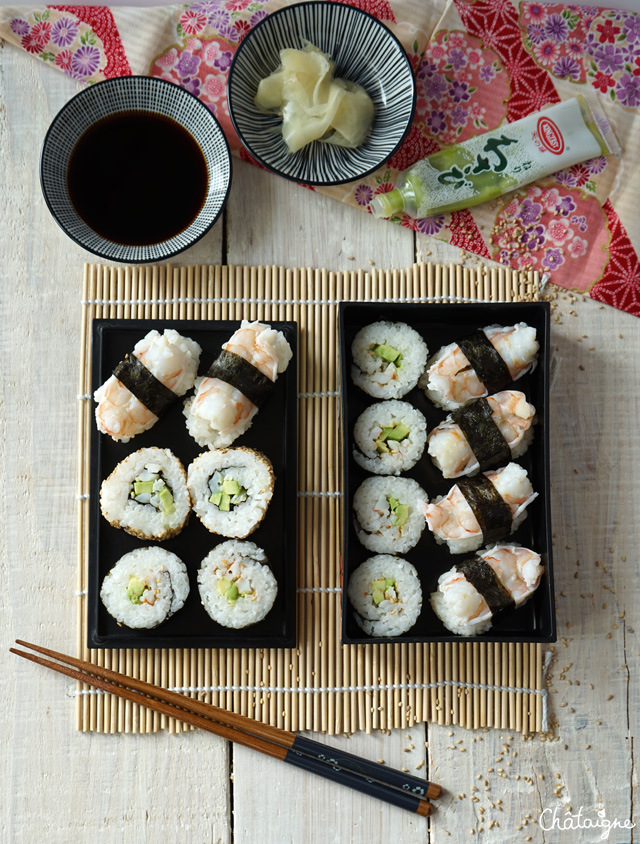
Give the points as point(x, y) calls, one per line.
point(137, 178)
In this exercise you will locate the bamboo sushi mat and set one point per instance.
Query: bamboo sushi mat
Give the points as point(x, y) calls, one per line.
point(320, 685)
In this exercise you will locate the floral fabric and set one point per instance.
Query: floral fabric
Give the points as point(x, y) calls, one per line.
point(478, 64)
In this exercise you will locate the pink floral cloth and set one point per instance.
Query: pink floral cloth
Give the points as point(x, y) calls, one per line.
point(478, 63)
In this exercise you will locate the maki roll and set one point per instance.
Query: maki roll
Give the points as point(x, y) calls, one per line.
point(146, 495)
point(388, 358)
point(231, 490)
point(499, 578)
point(145, 587)
point(483, 434)
point(161, 368)
point(481, 509)
point(386, 595)
point(237, 384)
point(390, 437)
point(482, 363)
point(389, 514)
point(236, 585)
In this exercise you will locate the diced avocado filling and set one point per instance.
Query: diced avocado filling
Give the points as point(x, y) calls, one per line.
point(135, 589)
point(229, 589)
point(388, 353)
point(396, 433)
point(379, 589)
point(399, 512)
point(144, 492)
point(229, 493)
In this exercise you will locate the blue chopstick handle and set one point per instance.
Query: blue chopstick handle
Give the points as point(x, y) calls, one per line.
point(349, 762)
point(315, 765)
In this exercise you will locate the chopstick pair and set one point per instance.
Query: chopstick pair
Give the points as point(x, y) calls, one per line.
point(395, 787)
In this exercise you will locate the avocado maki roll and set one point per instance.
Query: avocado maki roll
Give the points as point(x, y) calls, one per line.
point(388, 514)
point(145, 587)
point(390, 437)
point(236, 585)
point(231, 490)
point(161, 368)
point(146, 495)
point(388, 358)
point(386, 595)
point(482, 363)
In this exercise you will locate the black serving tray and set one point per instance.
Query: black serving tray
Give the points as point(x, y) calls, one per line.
point(440, 325)
point(274, 432)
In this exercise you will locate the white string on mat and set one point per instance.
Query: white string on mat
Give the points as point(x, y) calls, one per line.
point(82, 496)
point(85, 397)
point(388, 687)
point(241, 300)
point(325, 589)
point(324, 395)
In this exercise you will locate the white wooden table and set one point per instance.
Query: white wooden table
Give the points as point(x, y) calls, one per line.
point(60, 786)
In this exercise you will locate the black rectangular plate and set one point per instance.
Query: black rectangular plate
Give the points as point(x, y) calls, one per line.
point(273, 432)
point(440, 325)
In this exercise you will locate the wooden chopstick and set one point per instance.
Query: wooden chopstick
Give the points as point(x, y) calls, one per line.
point(394, 787)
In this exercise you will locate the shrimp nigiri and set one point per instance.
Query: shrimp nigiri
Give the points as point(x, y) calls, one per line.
point(471, 593)
point(482, 509)
point(238, 382)
point(483, 434)
point(482, 363)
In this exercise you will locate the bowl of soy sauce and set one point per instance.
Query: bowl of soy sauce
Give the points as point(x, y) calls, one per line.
point(135, 169)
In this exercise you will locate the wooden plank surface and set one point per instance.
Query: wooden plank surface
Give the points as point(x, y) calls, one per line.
point(61, 786)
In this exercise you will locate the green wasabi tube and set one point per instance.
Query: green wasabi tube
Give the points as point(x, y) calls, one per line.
point(501, 160)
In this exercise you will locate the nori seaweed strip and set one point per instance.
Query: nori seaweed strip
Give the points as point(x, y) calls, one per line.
point(483, 435)
point(144, 385)
point(481, 576)
point(243, 376)
point(489, 507)
point(487, 363)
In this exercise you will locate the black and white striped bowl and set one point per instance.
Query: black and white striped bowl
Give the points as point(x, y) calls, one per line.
point(133, 93)
point(364, 51)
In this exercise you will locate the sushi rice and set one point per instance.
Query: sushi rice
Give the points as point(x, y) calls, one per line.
point(146, 495)
point(145, 587)
point(390, 437)
point(386, 595)
point(236, 585)
point(231, 490)
point(388, 358)
point(389, 514)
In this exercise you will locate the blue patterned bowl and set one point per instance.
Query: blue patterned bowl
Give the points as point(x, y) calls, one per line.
point(364, 51)
point(136, 94)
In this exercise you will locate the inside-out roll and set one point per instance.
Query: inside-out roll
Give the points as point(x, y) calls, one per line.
point(497, 579)
point(482, 434)
point(236, 585)
point(146, 495)
point(231, 490)
point(388, 358)
point(390, 437)
point(386, 595)
point(481, 509)
point(161, 368)
point(145, 587)
point(237, 384)
point(482, 363)
point(388, 514)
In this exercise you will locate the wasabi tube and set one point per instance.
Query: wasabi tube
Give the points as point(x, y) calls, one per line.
point(501, 160)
